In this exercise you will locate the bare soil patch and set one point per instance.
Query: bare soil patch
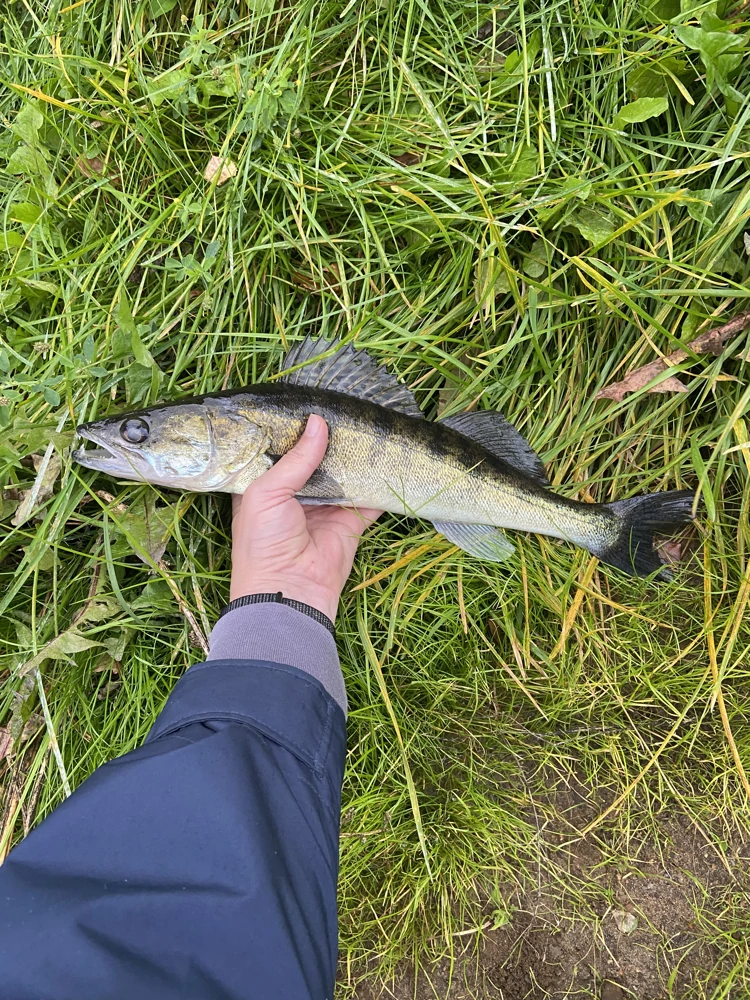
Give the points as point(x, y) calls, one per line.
point(673, 885)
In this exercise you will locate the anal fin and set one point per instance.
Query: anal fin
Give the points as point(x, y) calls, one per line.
point(480, 540)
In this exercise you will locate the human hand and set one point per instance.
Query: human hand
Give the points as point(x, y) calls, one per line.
point(306, 552)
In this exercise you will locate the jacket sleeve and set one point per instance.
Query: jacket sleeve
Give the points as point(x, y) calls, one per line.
point(201, 865)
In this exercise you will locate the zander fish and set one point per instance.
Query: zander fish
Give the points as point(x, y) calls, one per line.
point(470, 474)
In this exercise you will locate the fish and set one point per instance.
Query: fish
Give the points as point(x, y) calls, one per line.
point(471, 474)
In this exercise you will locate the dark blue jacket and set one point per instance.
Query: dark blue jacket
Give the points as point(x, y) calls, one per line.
point(202, 865)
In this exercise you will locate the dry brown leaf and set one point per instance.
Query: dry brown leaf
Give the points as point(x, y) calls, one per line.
point(90, 166)
point(5, 741)
point(108, 498)
point(709, 342)
point(408, 159)
point(109, 688)
point(33, 725)
point(626, 922)
point(504, 41)
point(48, 469)
point(220, 169)
point(670, 551)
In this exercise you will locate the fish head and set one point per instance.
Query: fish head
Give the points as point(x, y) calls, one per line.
point(197, 446)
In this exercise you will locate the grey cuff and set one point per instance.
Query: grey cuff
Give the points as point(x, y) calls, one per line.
point(280, 634)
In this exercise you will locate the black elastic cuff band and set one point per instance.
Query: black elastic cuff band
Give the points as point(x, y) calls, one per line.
point(318, 616)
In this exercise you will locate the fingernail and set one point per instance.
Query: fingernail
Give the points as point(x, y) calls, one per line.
point(314, 425)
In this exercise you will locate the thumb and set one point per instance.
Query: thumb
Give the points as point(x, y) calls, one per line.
point(292, 471)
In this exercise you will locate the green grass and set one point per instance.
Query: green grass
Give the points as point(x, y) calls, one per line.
point(534, 254)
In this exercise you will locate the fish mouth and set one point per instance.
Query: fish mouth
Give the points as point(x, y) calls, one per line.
point(101, 457)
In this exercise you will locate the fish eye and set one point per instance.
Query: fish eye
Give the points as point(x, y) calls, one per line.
point(135, 430)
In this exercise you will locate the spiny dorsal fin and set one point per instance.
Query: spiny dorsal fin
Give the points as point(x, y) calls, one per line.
point(490, 429)
point(480, 540)
point(349, 371)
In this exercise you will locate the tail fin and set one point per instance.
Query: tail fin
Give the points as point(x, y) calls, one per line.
point(642, 518)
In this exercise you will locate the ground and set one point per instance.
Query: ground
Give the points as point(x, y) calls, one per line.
point(546, 950)
point(540, 209)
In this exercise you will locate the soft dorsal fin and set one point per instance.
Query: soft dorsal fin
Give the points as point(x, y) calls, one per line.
point(349, 371)
point(490, 429)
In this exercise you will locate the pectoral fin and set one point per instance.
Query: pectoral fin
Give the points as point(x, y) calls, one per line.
point(321, 488)
point(260, 464)
point(480, 540)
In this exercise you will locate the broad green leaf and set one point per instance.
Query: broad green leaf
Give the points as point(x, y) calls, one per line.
point(24, 635)
point(490, 280)
point(699, 6)
point(658, 79)
point(101, 609)
point(662, 10)
point(29, 162)
point(47, 561)
point(146, 528)
point(124, 314)
point(519, 162)
point(11, 240)
point(707, 206)
point(224, 82)
point(142, 381)
point(140, 351)
point(572, 187)
point(159, 7)
point(156, 595)
point(7, 508)
point(169, 86)
point(578, 186)
point(514, 64)
point(640, 111)
point(126, 323)
point(721, 51)
point(25, 212)
point(37, 288)
point(117, 643)
point(592, 224)
point(729, 263)
point(9, 299)
point(68, 643)
point(27, 124)
point(121, 343)
point(535, 261)
point(62, 647)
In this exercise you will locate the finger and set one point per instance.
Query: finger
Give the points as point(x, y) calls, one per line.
point(348, 522)
point(365, 516)
point(292, 471)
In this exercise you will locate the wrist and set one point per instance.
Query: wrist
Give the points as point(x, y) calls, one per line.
point(277, 599)
point(293, 590)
